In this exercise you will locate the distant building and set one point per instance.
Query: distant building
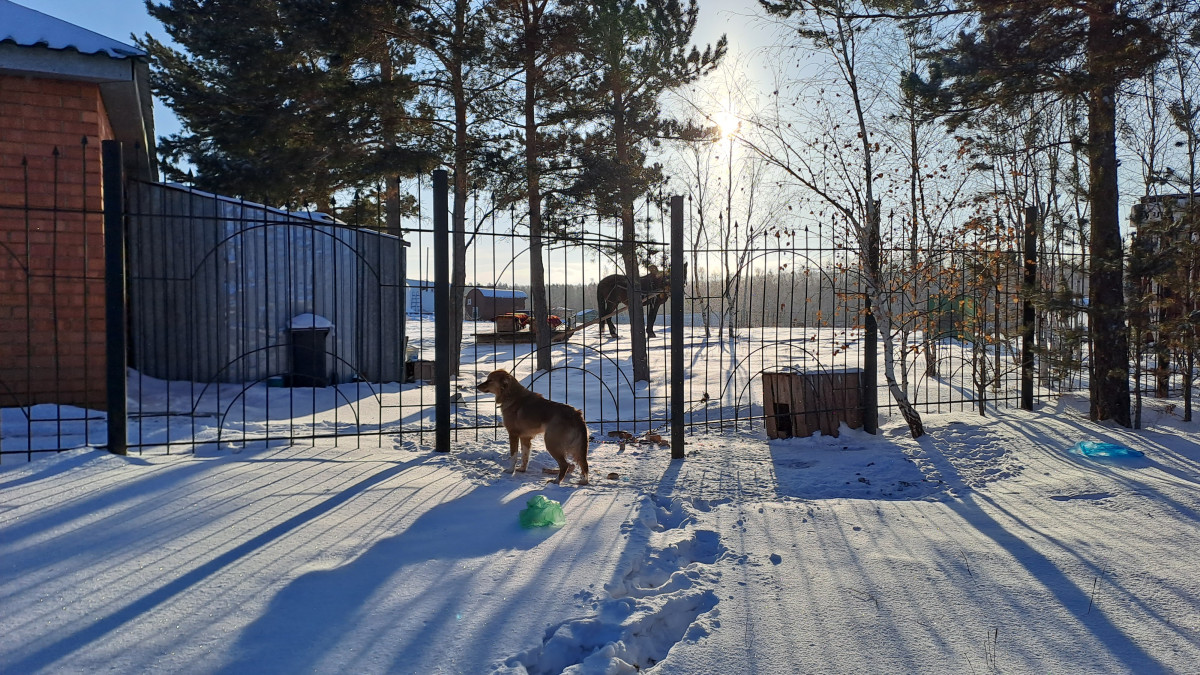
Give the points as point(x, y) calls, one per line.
point(1152, 208)
point(1153, 233)
point(420, 296)
point(1164, 239)
point(484, 304)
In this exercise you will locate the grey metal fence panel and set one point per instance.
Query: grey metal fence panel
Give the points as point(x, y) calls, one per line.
point(215, 283)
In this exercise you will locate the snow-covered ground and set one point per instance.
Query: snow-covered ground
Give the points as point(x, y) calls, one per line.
point(985, 546)
point(722, 387)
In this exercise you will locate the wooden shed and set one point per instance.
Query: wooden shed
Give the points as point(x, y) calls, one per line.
point(485, 304)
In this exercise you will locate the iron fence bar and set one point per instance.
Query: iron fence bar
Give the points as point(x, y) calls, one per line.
point(114, 295)
point(871, 336)
point(1027, 318)
point(89, 401)
point(677, 281)
point(441, 309)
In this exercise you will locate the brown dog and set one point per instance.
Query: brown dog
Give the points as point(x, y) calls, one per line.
point(527, 414)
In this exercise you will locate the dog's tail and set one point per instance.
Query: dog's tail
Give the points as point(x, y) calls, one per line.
point(581, 450)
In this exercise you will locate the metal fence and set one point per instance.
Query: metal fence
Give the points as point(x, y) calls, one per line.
point(793, 304)
point(52, 306)
point(249, 325)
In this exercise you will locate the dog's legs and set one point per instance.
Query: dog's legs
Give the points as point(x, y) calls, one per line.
point(563, 468)
point(526, 445)
point(583, 467)
point(512, 453)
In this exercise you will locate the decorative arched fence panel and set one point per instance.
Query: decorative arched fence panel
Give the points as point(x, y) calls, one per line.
point(253, 325)
point(249, 323)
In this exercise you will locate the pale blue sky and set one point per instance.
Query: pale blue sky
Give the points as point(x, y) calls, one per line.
point(117, 19)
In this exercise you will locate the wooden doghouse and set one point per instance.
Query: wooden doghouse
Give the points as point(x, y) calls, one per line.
point(421, 370)
point(800, 404)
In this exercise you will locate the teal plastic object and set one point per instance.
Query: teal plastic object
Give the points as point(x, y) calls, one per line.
point(542, 512)
point(1102, 449)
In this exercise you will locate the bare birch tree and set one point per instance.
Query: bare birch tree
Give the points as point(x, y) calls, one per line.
point(835, 158)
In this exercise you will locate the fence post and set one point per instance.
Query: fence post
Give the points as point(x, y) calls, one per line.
point(678, 275)
point(114, 295)
point(870, 380)
point(871, 328)
point(1027, 317)
point(441, 309)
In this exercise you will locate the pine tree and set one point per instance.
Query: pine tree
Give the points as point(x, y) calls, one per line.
point(1073, 48)
point(640, 49)
point(286, 102)
point(452, 36)
point(537, 40)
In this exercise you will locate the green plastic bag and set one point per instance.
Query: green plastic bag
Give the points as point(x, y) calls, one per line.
point(540, 512)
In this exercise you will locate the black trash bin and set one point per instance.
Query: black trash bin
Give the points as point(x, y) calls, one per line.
point(309, 361)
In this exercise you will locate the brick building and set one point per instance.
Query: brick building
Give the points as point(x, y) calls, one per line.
point(63, 90)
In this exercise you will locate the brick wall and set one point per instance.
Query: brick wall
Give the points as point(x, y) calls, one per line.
point(51, 242)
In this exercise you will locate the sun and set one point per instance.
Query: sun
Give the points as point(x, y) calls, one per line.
point(727, 123)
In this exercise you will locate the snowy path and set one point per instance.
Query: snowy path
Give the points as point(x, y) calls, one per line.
point(1046, 562)
point(985, 547)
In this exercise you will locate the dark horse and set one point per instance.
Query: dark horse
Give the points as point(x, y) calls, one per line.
point(614, 289)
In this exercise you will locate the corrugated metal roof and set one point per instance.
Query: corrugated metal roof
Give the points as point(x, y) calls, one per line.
point(30, 28)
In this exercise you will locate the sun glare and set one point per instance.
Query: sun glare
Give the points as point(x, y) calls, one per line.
point(727, 122)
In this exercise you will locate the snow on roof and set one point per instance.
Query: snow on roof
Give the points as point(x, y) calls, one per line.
point(302, 214)
point(30, 28)
point(309, 321)
point(498, 293)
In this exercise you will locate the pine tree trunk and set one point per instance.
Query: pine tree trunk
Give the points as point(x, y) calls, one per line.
point(1110, 338)
point(458, 250)
point(637, 323)
point(537, 271)
point(1188, 380)
point(391, 188)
